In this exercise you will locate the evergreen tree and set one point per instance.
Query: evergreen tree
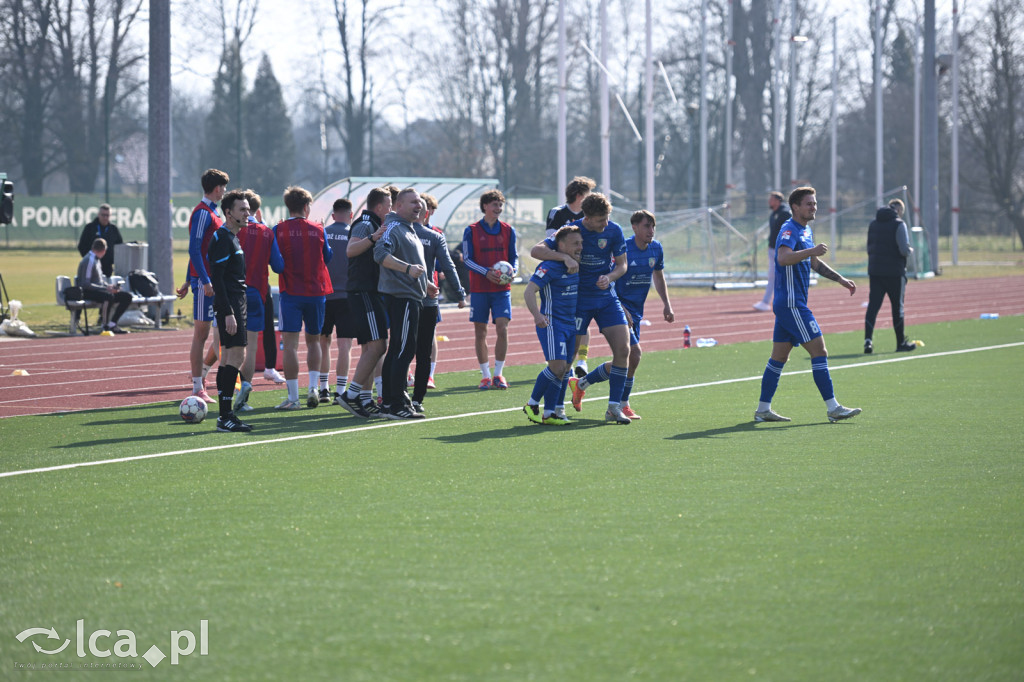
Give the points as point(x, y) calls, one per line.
point(270, 161)
point(224, 141)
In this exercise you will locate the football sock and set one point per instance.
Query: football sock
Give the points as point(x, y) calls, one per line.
point(378, 384)
point(226, 375)
point(197, 384)
point(560, 402)
point(581, 355)
point(831, 404)
point(499, 367)
point(541, 386)
point(551, 395)
point(485, 370)
point(293, 389)
point(819, 370)
point(206, 370)
point(433, 366)
point(616, 384)
point(353, 390)
point(325, 381)
point(627, 388)
point(314, 379)
point(596, 376)
point(770, 380)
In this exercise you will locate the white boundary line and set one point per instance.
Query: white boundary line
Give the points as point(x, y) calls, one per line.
point(391, 424)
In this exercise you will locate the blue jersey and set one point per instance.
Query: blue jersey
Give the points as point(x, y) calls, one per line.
point(599, 252)
point(558, 290)
point(791, 281)
point(633, 287)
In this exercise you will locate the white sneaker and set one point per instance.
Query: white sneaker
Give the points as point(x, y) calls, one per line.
point(272, 374)
point(242, 397)
point(843, 413)
point(769, 415)
point(312, 398)
point(763, 307)
point(289, 405)
point(581, 369)
point(614, 414)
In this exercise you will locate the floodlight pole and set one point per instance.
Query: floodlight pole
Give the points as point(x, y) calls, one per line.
point(917, 124)
point(776, 54)
point(704, 106)
point(562, 95)
point(930, 159)
point(833, 208)
point(649, 107)
point(606, 159)
point(729, 46)
point(955, 151)
point(158, 191)
point(879, 132)
point(793, 42)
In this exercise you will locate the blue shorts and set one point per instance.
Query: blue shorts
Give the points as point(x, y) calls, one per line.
point(558, 341)
point(606, 311)
point(490, 306)
point(794, 326)
point(202, 306)
point(296, 310)
point(256, 312)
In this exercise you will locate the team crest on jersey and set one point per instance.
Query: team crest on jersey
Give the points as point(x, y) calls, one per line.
point(787, 234)
point(602, 243)
point(650, 263)
point(541, 271)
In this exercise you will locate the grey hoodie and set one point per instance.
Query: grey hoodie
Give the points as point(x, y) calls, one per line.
point(401, 242)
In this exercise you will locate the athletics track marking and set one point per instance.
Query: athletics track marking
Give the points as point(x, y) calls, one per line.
point(392, 424)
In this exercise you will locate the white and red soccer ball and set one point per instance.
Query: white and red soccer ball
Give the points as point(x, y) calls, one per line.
point(193, 409)
point(506, 273)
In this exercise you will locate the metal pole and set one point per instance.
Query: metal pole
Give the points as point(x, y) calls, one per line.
point(563, 178)
point(955, 151)
point(704, 104)
point(776, 55)
point(834, 172)
point(879, 179)
point(649, 106)
point(158, 192)
point(930, 140)
point(792, 95)
point(729, 45)
point(917, 124)
point(606, 158)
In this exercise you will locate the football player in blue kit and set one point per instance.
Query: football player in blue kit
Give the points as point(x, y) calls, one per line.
point(603, 241)
point(645, 260)
point(556, 327)
point(795, 256)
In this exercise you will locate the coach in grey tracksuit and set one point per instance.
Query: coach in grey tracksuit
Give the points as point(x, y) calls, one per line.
point(435, 251)
point(403, 284)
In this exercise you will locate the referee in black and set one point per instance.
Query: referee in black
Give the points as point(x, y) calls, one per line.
point(227, 265)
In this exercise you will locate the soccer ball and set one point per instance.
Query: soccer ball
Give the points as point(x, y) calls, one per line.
point(193, 409)
point(505, 271)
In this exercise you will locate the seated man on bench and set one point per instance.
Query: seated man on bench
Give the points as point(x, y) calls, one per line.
point(96, 287)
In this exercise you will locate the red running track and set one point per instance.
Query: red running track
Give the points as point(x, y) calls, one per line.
point(83, 373)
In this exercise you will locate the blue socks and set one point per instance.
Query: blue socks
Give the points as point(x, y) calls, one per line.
point(822, 378)
point(770, 380)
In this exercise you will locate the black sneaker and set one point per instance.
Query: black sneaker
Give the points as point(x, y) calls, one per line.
point(416, 406)
point(373, 409)
point(906, 347)
point(352, 405)
point(232, 424)
point(117, 330)
point(325, 396)
point(868, 348)
point(402, 413)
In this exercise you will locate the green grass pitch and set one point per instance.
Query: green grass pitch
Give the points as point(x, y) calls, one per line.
point(693, 545)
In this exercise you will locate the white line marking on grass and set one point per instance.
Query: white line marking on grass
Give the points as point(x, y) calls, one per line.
point(389, 424)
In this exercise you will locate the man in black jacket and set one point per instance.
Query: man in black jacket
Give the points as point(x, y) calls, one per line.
point(780, 214)
point(101, 228)
point(888, 248)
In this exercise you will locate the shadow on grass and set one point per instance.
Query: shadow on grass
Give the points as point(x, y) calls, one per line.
point(527, 428)
point(743, 426)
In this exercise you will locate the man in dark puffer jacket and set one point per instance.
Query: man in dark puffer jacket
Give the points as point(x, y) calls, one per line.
point(888, 249)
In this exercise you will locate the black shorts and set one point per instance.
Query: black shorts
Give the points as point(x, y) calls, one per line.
point(338, 319)
point(237, 340)
point(369, 315)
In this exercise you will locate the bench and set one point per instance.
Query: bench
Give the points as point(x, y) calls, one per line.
point(78, 308)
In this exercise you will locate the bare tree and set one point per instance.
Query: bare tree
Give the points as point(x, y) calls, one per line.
point(95, 62)
point(26, 59)
point(993, 87)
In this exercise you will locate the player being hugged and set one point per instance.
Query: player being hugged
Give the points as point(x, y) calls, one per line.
point(556, 326)
point(645, 259)
point(795, 256)
point(603, 243)
point(227, 273)
point(484, 244)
